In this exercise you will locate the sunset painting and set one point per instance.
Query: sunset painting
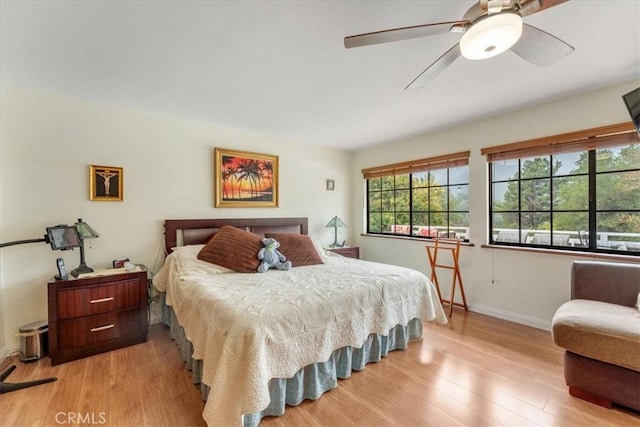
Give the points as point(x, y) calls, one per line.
point(244, 179)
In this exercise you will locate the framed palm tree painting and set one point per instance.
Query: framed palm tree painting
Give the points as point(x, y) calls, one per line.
point(244, 179)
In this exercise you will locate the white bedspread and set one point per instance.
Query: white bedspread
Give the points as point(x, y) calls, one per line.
point(249, 328)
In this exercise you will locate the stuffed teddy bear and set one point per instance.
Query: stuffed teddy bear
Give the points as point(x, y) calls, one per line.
point(271, 256)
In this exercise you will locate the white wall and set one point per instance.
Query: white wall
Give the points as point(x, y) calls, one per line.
point(48, 141)
point(521, 286)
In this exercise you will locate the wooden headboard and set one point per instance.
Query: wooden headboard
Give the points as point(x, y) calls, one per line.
point(180, 232)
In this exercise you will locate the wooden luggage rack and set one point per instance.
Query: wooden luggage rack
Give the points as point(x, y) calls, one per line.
point(453, 245)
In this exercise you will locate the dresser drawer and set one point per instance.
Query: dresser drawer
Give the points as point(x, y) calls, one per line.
point(91, 330)
point(92, 300)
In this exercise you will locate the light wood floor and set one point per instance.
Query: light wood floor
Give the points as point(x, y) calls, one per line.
point(475, 371)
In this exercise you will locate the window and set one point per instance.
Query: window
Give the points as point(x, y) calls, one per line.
point(422, 198)
point(578, 191)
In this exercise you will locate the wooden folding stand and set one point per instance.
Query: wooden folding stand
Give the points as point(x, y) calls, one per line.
point(452, 245)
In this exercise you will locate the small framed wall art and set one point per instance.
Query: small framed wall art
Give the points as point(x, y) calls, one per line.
point(331, 185)
point(245, 180)
point(106, 183)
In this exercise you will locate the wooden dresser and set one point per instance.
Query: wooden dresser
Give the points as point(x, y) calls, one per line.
point(97, 314)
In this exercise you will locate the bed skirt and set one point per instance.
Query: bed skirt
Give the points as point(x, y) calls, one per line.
point(311, 381)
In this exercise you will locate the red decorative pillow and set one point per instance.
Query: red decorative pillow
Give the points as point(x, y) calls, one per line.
point(298, 248)
point(233, 248)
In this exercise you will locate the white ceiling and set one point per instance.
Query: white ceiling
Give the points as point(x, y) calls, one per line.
point(280, 67)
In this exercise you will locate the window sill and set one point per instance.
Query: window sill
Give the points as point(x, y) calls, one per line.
point(410, 238)
point(629, 258)
point(616, 257)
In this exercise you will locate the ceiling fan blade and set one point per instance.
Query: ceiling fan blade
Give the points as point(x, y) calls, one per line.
point(529, 7)
point(539, 47)
point(436, 68)
point(398, 34)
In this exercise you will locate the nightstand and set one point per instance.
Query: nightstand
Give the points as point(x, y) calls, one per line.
point(96, 314)
point(347, 251)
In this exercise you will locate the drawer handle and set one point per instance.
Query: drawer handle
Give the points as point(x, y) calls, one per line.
point(102, 328)
point(94, 301)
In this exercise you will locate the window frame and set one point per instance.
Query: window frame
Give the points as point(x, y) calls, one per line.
point(409, 169)
point(589, 141)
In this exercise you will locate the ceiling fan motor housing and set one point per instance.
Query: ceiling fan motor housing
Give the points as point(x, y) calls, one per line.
point(491, 35)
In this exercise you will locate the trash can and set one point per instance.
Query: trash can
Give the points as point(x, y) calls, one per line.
point(34, 341)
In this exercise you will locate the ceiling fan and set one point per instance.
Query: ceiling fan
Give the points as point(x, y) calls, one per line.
point(488, 28)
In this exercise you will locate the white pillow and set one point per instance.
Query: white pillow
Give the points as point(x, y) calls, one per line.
point(190, 253)
point(638, 303)
point(188, 249)
point(318, 246)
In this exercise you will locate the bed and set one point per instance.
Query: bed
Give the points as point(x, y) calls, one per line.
point(257, 342)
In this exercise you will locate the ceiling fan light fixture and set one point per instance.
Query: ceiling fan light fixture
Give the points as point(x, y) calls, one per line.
point(491, 36)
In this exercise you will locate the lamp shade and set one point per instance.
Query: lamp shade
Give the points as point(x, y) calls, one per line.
point(336, 222)
point(85, 230)
point(491, 36)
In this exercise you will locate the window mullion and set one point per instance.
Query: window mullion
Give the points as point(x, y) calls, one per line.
point(520, 200)
point(551, 206)
point(448, 203)
point(593, 228)
point(491, 239)
point(410, 204)
point(395, 203)
point(429, 222)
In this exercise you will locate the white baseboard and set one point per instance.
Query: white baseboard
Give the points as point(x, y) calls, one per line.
point(512, 317)
point(9, 350)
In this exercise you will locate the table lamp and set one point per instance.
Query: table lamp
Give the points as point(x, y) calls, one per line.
point(86, 232)
point(336, 223)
